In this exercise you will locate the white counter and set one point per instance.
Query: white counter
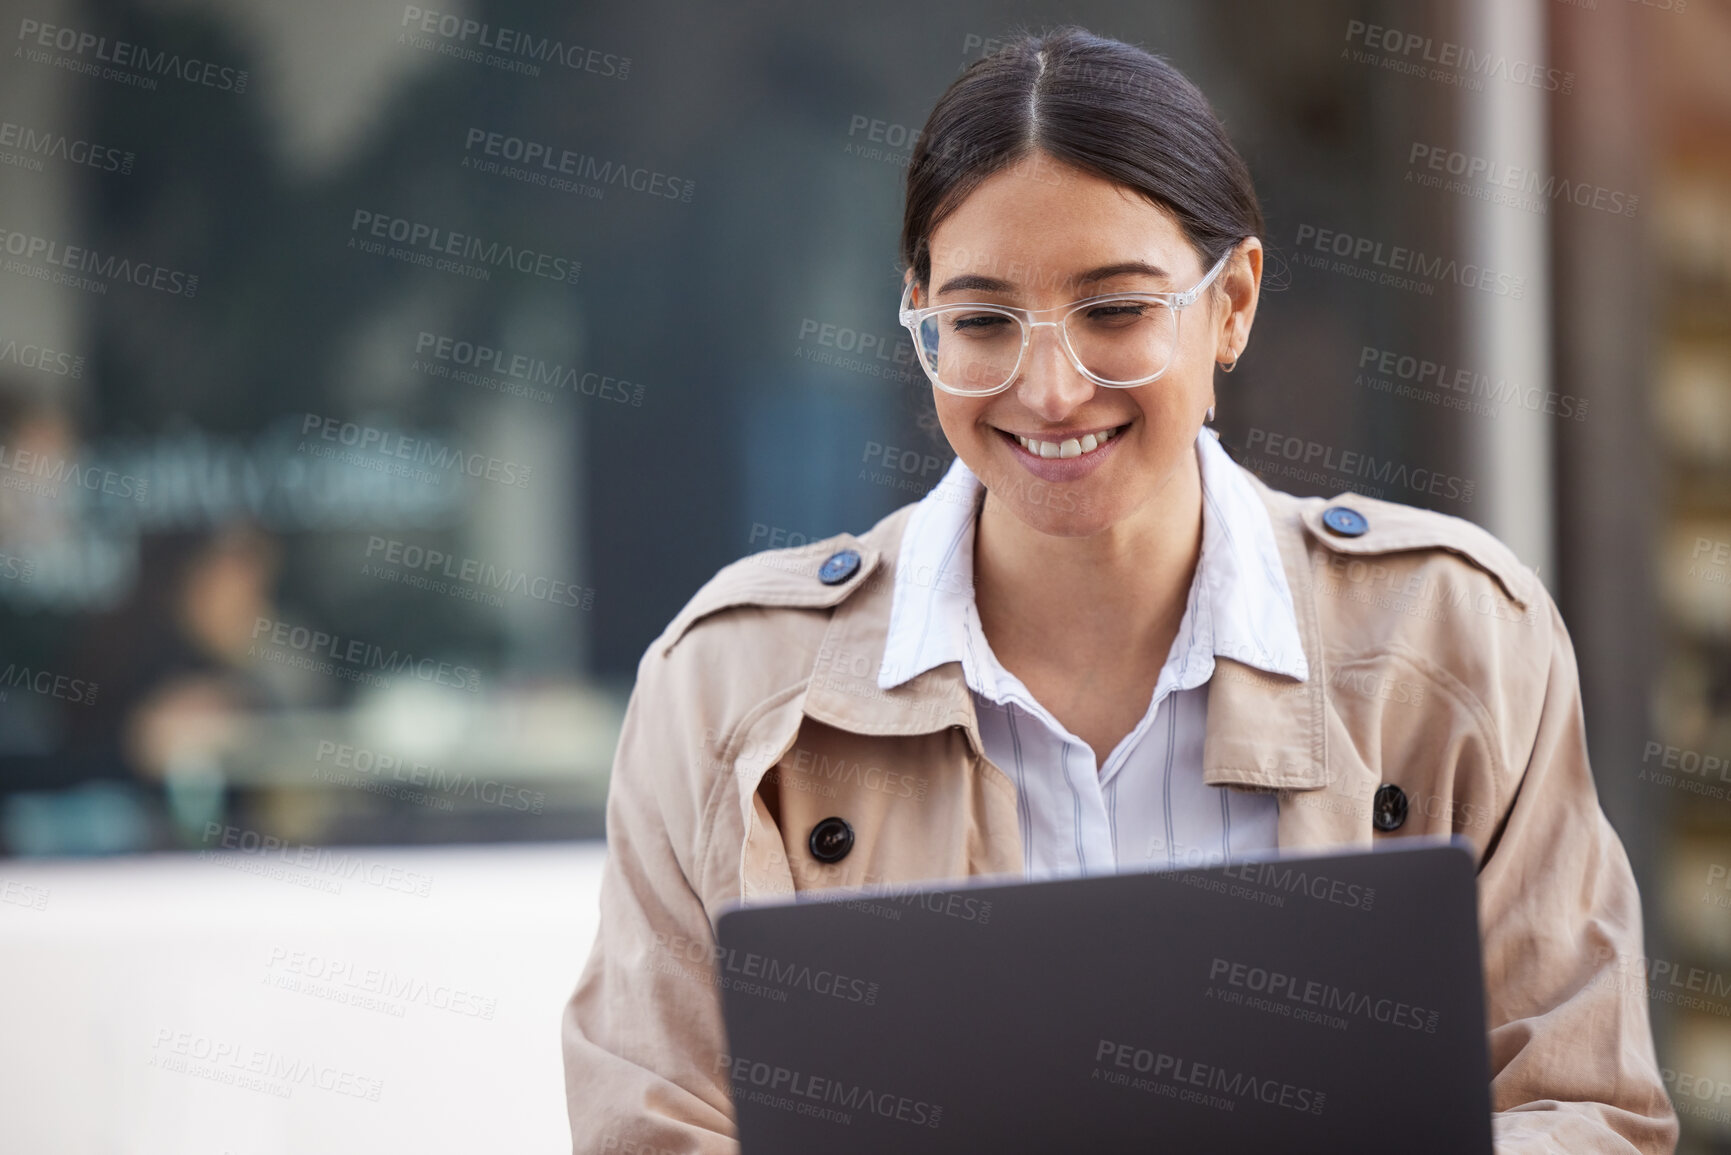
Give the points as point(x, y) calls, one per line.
point(192, 1005)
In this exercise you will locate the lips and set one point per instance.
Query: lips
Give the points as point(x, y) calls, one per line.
point(1055, 466)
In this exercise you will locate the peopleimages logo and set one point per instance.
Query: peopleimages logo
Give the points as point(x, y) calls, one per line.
point(77, 259)
point(252, 846)
point(1389, 264)
point(37, 473)
point(473, 571)
point(1277, 984)
point(427, 243)
point(135, 63)
point(352, 658)
point(47, 683)
point(840, 771)
point(1325, 461)
point(818, 1097)
point(780, 973)
point(1435, 59)
point(346, 981)
point(454, 783)
point(34, 144)
point(24, 894)
point(548, 164)
point(1184, 1074)
point(372, 447)
point(521, 51)
point(521, 370)
point(1422, 374)
point(1294, 879)
point(254, 1068)
point(1524, 188)
point(28, 355)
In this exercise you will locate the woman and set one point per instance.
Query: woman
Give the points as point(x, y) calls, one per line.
point(1100, 644)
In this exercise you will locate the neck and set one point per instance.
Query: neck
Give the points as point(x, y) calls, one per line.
point(1120, 591)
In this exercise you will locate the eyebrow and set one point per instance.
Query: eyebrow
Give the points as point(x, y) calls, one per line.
point(979, 282)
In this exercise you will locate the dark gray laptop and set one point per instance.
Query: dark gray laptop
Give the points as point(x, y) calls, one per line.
point(1323, 1004)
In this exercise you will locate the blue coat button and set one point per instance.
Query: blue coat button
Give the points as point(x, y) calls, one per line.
point(1344, 521)
point(838, 567)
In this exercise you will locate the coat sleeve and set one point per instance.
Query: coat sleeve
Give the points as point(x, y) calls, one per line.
point(642, 1033)
point(1571, 1049)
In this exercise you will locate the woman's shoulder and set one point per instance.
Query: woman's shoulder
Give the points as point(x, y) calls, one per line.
point(1397, 586)
point(750, 638)
point(807, 580)
point(1434, 634)
point(1390, 548)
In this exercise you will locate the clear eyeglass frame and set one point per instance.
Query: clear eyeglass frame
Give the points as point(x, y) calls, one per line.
point(912, 319)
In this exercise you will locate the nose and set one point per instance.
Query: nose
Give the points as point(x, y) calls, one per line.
point(1048, 383)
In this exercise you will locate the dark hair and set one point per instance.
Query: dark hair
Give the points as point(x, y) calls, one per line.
point(1099, 104)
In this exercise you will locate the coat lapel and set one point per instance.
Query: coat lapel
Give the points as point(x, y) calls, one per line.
point(843, 692)
point(1271, 732)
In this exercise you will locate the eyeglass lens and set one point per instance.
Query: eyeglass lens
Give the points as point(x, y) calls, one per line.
point(975, 350)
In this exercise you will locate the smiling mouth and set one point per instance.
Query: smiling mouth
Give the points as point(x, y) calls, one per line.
point(1069, 447)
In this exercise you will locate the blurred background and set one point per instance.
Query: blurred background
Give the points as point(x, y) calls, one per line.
point(376, 380)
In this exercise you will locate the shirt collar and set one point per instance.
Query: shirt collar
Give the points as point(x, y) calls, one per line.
point(1240, 605)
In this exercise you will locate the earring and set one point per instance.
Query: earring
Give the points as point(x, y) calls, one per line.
point(1229, 366)
point(1210, 418)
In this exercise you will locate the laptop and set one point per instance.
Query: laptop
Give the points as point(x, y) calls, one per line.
point(1316, 1003)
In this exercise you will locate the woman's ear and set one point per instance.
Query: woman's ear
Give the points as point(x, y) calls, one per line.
point(1241, 285)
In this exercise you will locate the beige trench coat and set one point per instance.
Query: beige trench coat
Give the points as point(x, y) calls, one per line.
point(1437, 662)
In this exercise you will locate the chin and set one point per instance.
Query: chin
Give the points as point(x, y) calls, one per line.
point(1061, 510)
point(1057, 521)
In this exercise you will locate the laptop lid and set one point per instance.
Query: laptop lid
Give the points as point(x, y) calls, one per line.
point(1316, 1003)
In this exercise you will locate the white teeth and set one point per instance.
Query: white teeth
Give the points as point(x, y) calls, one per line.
point(1070, 447)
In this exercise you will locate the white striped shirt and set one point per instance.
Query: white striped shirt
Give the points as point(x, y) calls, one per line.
point(1147, 806)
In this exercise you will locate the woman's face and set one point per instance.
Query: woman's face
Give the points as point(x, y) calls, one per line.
point(1042, 234)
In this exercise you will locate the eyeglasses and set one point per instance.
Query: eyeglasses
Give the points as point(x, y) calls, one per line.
point(1119, 340)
